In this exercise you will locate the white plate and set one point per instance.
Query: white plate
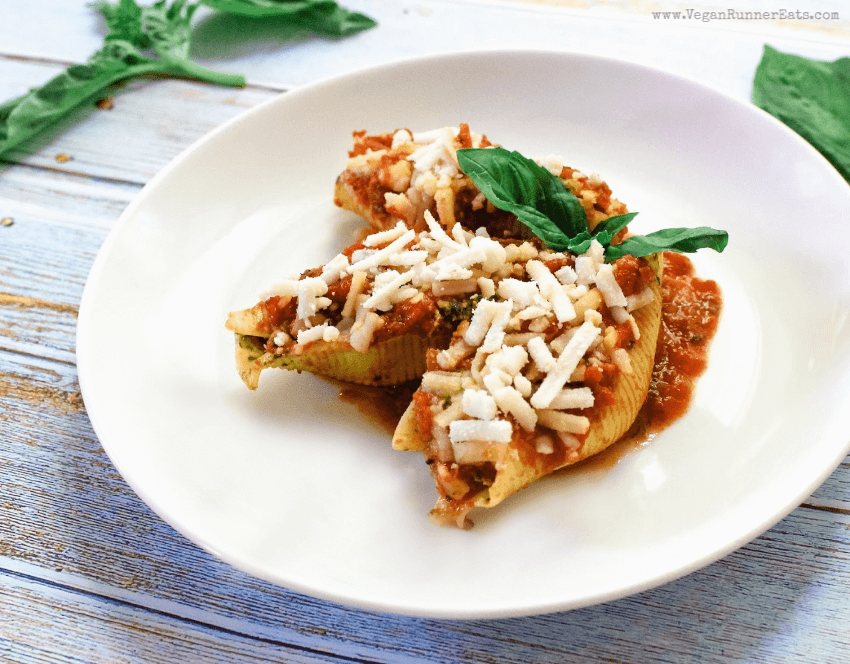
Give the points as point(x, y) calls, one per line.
point(298, 488)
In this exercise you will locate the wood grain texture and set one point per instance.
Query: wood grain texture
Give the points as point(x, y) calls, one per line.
point(89, 574)
point(33, 194)
point(66, 508)
point(39, 622)
point(59, 222)
point(38, 327)
point(151, 121)
point(274, 53)
point(46, 254)
point(834, 494)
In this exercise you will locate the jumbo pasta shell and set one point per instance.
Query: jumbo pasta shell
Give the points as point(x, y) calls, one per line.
point(408, 437)
point(346, 197)
point(611, 422)
point(390, 362)
point(378, 171)
point(608, 423)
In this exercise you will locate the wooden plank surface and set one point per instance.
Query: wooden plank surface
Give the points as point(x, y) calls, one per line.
point(150, 122)
point(47, 256)
point(74, 515)
point(68, 509)
point(39, 620)
point(273, 54)
point(89, 574)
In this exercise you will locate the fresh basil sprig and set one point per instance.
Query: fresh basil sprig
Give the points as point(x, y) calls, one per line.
point(152, 39)
point(541, 201)
point(522, 187)
point(810, 96)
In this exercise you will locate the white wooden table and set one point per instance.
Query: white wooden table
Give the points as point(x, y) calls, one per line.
point(89, 574)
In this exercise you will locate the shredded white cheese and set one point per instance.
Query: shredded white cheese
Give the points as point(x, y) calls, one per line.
point(531, 333)
point(479, 404)
point(382, 237)
point(564, 366)
point(608, 286)
point(497, 431)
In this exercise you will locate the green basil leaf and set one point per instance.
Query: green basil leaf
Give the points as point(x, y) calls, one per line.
point(812, 97)
point(580, 243)
point(164, 29)
point(336, 22)
point(685, 240)
point(168, 27)
point(135, 35)
point(264, 8)
point(160, 27)
point(542, 202)
point(522, 187)
point(613, 225)
point(32, 112)
point(322, 16)
point(152, 39)
point(552, 236)
point(124, 22)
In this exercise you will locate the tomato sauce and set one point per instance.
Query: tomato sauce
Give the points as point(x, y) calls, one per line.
point(690, 313)
point(407, 315)
point(632, 274)
point(382, 405)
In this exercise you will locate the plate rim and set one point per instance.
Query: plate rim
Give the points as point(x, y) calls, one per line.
point(89, 298)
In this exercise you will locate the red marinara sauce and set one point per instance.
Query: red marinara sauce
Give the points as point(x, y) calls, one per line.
point(690, 312)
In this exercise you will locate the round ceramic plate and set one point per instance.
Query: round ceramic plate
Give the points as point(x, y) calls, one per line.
point(300, 488)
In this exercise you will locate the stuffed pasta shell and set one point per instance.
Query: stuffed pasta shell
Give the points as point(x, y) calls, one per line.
point(550, 371)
